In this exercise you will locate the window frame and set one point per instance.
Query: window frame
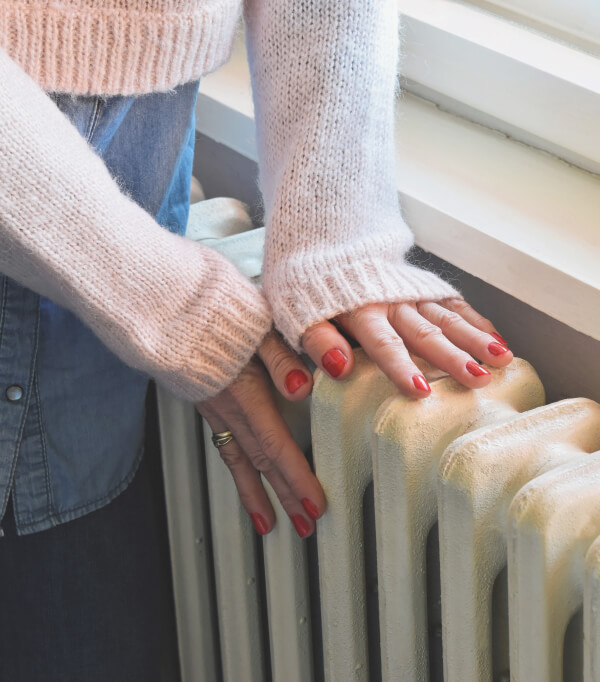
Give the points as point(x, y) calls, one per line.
point(504, 76)
point(574, 22)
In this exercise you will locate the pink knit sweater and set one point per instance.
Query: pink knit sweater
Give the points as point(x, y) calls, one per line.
point(324, 81)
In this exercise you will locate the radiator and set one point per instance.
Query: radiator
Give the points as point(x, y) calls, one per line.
point(467, 523)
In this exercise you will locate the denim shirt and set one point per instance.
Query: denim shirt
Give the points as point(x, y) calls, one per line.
point(71, 413)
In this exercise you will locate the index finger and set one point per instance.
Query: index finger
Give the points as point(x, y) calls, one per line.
point(329, 350)
point(290, 375)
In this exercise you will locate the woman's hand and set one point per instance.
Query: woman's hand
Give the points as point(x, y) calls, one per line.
point(448, 334)
point(263, 443)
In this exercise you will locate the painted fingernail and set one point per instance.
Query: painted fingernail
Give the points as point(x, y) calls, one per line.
point(334, 362)
point(420, 383)
point(311, 509)
point(259, 523)
point(301, 525)
point(476, 370)
point(294, 380)
point(497, 348)
point(504, 342)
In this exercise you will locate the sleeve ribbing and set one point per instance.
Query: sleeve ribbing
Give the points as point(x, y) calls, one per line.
point(324, 80)
point(165, 305)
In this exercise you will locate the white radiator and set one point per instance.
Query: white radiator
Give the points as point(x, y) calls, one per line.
point(514, 486)
point(511, 590)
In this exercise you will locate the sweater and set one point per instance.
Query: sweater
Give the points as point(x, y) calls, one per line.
point(324, 85)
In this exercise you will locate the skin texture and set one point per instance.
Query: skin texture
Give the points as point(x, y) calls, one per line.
point(448, 334)
point(263, 443)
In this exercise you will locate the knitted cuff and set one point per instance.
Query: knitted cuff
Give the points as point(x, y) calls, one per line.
point(217, 337)
point(304, 296)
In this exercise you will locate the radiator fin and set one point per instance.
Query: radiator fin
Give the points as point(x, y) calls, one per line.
point(410, 437)
point(553, 521)
point(591, 614)
point(480, 474)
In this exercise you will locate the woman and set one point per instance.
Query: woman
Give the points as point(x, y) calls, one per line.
point(96, 296)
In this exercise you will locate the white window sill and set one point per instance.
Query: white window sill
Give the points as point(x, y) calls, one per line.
point(520, 219)
point(495, 72)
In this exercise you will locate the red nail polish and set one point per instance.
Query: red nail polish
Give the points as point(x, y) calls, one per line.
point(421, 383)
point(497, 348)
point(311, 510)
point(476, 370)
point(334, 362)
point(259, 523)
point(301, 525)
point(294, 380)
point(504, 342)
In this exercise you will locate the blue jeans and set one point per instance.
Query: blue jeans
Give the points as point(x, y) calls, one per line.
point(83, 575)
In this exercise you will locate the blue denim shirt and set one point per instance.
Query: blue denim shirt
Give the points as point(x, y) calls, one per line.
point(71, 413)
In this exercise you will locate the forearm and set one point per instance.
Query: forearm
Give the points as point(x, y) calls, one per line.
point(324, 78)
point(165, 305)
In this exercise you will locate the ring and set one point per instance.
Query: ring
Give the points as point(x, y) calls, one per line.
point(222, 438)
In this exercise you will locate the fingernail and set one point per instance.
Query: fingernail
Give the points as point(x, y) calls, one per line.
point(334, 362)
point(421, 383)
point(294, 380)
point(497, 348)
point(504, 342)
point(311, 510)
point(301, 525)
point(259, 523)
point(476, 370)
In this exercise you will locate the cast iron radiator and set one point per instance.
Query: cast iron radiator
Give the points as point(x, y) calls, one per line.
point(461, 541)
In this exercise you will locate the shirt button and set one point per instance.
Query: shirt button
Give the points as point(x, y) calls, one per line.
point(14, 393)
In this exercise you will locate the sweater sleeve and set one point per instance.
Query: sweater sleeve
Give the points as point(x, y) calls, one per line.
point(165, 305)
point(324, 80)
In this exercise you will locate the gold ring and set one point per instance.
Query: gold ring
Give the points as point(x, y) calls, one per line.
point(222, 438)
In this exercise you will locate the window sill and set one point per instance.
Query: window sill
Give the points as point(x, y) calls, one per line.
point(518, 218)
point(493, 71)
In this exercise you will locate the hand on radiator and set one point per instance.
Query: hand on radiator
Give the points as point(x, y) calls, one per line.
point(448, 334)
point(262, 441)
